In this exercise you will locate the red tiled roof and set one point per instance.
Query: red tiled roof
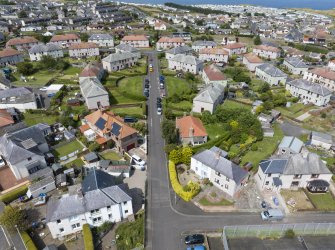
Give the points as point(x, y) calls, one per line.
point(252, 58)
point(91, 70)
point(5, 118)
point(135, 38)
point(65, 37)
point(213, 73)
point(9, 52)
point(101, 140)
point(166, 39)
point(267, 48)
point(213, 51)
point(234, 46)
point(84, 128)
point(83, 46)
point(324, 72)
point(188, 123)
point(21, 40)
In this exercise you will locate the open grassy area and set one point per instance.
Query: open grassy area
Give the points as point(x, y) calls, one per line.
point(322, 201)
point(183, 105)
point(321, 124)
point(72, 71)
point(214, 130)
point(230, 103)
point(77, 162)
point(205, 202)
point(32, 119)
point(131, 111)
point(68, 148)
point(295, 110)
point(300, 198)
point(40, 78)
point(175, 85)
point(111, 155)
point(265, 148)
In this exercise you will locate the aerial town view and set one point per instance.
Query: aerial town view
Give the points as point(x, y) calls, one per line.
point(201, 125)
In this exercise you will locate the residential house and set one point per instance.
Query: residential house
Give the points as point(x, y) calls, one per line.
point(84, 50)
point(159, 26)
point(216, 55)
point(199, 45)
point(295, 65)
point(92, 70)
point(290, 145)
point(23, 150)
point(38, 51)
point(212, 74)
point(186, 63)
point(10, 56)
point(209, 98)
point(127, 48)
point(100, 200)
point(8, 117)
point(270, 74)
point(294, 36)
point(184, 50)
point(169, 42)
point(224, 174)
point(137, 41)
point(251, 61)
point(118, 61)
point(185, 35)
point(268, 52)
point(102, 40)
point(94, 93)
point(235, 48)
point(112, 167)
point(191, 130)
point(107, 126)
point(308, 92)
point(42, 182)
point(291, 171)
point(322, 140)
point(22, 43)
point(65, 40)
point(322, 76)
point(20, 98)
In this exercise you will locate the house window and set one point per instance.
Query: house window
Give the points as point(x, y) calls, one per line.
point(29, 159)
point(259, 177)
point(227, 179)
point(295, 183)
point(315, 176)
point(217, 181)
point(297, 176)
point(108, 207)
point(61, 230)
point(125, 203)
point(226, 186)
point(266, 183)
point(217, 173)
point(95, 211)
point(269, 175)
point(97, 220)
point(74, 226)
point(59, 221)
point(110, 216)
point(125, 211)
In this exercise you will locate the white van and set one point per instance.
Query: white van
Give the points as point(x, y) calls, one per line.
point(272, 214)
point(138, 162)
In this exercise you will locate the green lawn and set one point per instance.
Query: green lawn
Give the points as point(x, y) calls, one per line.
point(40, 78)
point(139, 69)
point(205, 202)
point(68, 148)
point(214, 130)
point(111, 155)
point(229, 103)
point(176, 85)
point(77, 162)
point(72, 71)
point(131, 111)
point(32, 119)
point(265, 148)
point(322, 201)
point(295, 110)
point(183, 105)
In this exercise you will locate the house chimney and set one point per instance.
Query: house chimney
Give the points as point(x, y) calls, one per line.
point(304, 154)
point(237, 39)
point(218, 155)
point(191, 132)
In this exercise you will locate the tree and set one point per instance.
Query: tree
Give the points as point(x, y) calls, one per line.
point(176, 156)
point(264, 88)
point(170, 133)
point(257, 40)
point(187, 153)
point(25, 68)
point(13, 217)
point(207, 117)
point(84, 37)
point(22, 14)
point(94, 147)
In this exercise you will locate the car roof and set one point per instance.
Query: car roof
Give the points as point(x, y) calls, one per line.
point(136, 157)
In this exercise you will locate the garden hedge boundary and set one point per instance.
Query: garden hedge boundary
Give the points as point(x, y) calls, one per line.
point(88, 237)
point(14, 194)
point(28, 242)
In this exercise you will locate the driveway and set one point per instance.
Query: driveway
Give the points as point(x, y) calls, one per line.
point(292, 129)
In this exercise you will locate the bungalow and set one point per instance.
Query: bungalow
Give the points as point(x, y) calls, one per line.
point(212, 74)
point(251, 61)
point(127, 48)
point(290, 145)
point(159, 26)
point(169, 42)
point(80, 50)
point(22, 43)
point(291, 171)
point(223, 173)
point(321, 140)
point(94, 93)
point(322, 76)
point(92, 70)
point(38, 51)
point(235, 48)
point(137, 41)
point(185, 63)
point(295, 65)
point(268, 52)
point(102, 40)
point(184, 50)
point(217, 55)
point(19, 98)
point(118, 61)
point(270, 74)
point(191, 130)
point(10, 56)
point(199, 45)
point(107, 126)
point(209, 98)
point(65, 40)
point(309, 92)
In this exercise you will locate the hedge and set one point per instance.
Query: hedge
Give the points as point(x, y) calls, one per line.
point(14, 194)
point(178, 188)
point(88, 237)
point(28, 242)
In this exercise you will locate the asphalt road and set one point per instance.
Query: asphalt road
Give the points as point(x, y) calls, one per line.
point(166, 218)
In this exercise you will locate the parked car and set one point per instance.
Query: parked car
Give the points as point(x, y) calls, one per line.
point(198, 247)
point(129, 119)
point(146, 86)
point(159, 105)
point(138, 161)
point(194, 239)
point(146, 93)
point(161, 78)
point(159, 111)
point(272, 214)
point(161, 85)
point(146, 81)
point(159, 100)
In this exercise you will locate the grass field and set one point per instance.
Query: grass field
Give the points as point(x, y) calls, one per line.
point(229, 103)
point(205, 202)
point(137, 111)
point(321, 124)
point(175, 85)
point(40, 78)
point(214, 130)
point(183, 105)
point(68, 148)
point(32, 119)
point(295, 110)
point(322, 201)
point(111, 155)
point(77, 162)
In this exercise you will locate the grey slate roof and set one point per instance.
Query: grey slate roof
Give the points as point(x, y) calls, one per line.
point(119, 56)
point(180, 50)
point(187, 59)
point(42, 183)
point(217, 162)
point(322, 137)
point(271, 70)
point(97, 179)
point(22, 95)
point(210, 93)
point(314, 88)
point(92, 87)
point(40, 48)
point(100, 37)
point(296, 62)
point(291, 142)
point(91, 156)
point(116, 194)
point(127, 48)
point(97, 199)
point(204, 43)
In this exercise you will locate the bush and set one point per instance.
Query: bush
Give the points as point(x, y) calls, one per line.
point(88, 237)
point(205, 181)
point(13, 195)
point(289, 233)
point(178, 188)
point(254, 147)
point(28, 242)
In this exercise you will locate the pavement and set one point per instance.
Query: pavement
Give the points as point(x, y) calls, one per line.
point(168, 216)
point(293, 130)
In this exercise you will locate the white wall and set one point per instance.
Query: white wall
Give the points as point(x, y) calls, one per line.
point(249, 65)
point(195, 69)
point(38, 56)
point(103, 43)
point(270, 79)
point(118, 65)
point(293, 70)
point(77, 53)
point(213, 58)
point(137, 44)
point(267, 54)
point(20, 106)
point(329, 84)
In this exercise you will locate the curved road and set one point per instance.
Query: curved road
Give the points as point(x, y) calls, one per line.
point(168, 219)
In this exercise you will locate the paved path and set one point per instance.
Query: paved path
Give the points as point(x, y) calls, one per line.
point(304, 116)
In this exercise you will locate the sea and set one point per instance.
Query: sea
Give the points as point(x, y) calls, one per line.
point(311, 4)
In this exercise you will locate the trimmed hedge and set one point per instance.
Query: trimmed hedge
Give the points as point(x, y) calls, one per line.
point(28, 242)
point(88, 237)
point(193, 188)
point(13, 195)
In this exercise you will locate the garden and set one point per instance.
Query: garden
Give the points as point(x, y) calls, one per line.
point(69, 148)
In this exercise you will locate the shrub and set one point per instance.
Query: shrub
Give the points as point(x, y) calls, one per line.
point(28, 242)
point(13, 195)
point(88, 237)
point(213, 194)
point(254, 147)
point(323, 115)
point(289, 233)
point(205, 181)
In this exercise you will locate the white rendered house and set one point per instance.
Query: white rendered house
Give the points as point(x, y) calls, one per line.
point(186, 63)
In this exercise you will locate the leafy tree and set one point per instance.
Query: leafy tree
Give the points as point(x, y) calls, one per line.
point(242, 78)
point(176, 156)
point(257, 40)
point(25, 68)
point(259, 109)
point(84, 37)
point(187, 153)
point(189, 76)
point(289, 233)
point(170, 133)
point(22, 14)
point(94, 147)
point(264, 87)
point(207, 117)
point(12, 217)
point(234, 124)
point(169, 147)
point(279, 99)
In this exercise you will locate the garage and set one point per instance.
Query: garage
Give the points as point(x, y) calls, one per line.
point(131, 146)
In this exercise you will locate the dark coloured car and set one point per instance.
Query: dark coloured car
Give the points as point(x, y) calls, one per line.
point(147, 81)
point(194, 239)
point(129, 119)
point(146, 93)
point(146, 85)
point(159, 100)
point(159, 105)
point(161, 78)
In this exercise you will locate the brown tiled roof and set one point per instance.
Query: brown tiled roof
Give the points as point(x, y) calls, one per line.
point(5, 118)
point(135, 38)
point(65, 37)
point(213, 51)
point(83, 46)
point(234, 46)
point(91, 70)
point(252, 58)
point(213, 73)
point(21, 40)
point(324, 72)
point(186, 123)
point(267, 48)
point(159, 24)
point(110, 118)
point(166, 39)
point(84, 128)
point(9, 52)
